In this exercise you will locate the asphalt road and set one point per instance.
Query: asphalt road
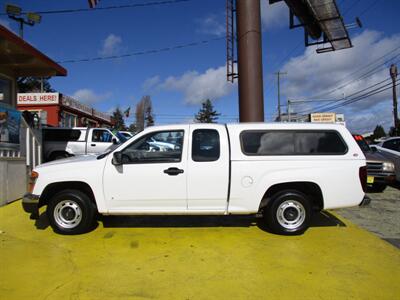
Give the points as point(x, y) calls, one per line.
point(381, 216)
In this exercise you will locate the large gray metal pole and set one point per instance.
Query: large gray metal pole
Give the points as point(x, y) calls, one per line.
point(393, 74)
point(251, 96)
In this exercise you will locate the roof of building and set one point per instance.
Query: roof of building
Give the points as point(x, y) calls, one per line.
point(24, 59)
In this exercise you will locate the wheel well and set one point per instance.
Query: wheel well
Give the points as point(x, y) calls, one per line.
point(310, 189)
point(56, 187)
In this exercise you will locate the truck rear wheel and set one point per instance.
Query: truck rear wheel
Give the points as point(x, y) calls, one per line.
point(71, 212)
point(288, 213)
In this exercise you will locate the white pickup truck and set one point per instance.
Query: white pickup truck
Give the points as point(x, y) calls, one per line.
point(281, 171)
point(65, 142)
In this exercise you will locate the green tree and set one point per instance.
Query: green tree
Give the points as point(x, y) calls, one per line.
point(379, 132)
point(132, 128)
point(394, 132)
point(33, 84)
point(207, 114)
point(118, 119)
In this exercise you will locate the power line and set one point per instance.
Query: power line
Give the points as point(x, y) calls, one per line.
point(324, 106)
point(365, 75)
point(369, 7)
point(350, 7)
point(364, 96)
point(137, 5)
point(144, 52)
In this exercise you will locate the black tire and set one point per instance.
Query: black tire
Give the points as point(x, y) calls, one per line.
point(288, 213)
point(71, 212)
point(376, 188)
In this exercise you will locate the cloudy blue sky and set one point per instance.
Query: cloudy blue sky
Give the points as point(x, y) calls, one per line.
point(179, 80)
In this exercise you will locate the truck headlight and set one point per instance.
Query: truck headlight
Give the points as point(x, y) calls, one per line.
point(32, 180)
point(388, 167)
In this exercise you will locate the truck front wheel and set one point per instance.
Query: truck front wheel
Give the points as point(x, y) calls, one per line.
point(71, 212)
point(288, 213)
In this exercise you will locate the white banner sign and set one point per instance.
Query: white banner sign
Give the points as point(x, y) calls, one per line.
point(37, 98)
point(323, 117)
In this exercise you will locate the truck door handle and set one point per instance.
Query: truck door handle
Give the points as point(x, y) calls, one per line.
point(173, 171)
point(93, 145)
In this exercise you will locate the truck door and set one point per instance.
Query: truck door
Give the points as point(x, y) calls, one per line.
point(99, 140)
point(153, 175)
point(208, 168)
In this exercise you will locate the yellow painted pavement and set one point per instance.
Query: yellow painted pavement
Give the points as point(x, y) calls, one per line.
point(192, 258)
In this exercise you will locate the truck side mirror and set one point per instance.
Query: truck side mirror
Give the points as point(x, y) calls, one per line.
point(114, 141)
point(117, 158)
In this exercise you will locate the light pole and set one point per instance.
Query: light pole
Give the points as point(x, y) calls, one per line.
point(278, 74)
point(393, 74)
point(15, 12)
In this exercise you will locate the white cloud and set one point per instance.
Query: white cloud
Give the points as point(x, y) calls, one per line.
point(213, 25)
point(111, 45)
point(197, 87)
point(275, 15)
point(313, 74)
point(90, 97)
point(150, 83)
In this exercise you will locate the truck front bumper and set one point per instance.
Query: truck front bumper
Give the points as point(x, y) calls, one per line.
point(30, 204)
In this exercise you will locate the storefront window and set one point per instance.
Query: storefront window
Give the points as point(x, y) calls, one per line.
point(5, 91)
point(69, 120)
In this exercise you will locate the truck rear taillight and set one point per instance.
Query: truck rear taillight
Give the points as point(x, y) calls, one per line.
point(32, 180)
point(363, 178)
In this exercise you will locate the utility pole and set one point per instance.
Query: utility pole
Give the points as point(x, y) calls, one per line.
point(393, 74)
point(278, 74)
point(251, 95)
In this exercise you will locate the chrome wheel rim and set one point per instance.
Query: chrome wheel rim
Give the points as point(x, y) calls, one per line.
point(67, 214)
point(291, 214)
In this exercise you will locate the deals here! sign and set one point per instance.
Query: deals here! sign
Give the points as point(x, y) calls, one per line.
point(37, 98)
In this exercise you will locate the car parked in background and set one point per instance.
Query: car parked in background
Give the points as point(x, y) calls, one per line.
point(390, 148)
point(126, 134)
point(391, 145)
point(380, 168)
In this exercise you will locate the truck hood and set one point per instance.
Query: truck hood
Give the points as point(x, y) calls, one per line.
point(376, 157)
point(75, 159)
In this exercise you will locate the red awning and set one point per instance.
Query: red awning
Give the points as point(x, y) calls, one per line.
point(23, 59)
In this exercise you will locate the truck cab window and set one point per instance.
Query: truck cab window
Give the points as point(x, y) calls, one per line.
point(101, 136)
point(156, 147)
point(205, 145)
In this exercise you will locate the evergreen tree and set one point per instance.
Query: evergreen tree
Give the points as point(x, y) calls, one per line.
point(379, 132)
point(207, 114)
point(118, 118)
point(149, 118)
point(33, 84)
point(132, 128)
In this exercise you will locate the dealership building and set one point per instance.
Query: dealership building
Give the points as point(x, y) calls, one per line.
point(58, 110)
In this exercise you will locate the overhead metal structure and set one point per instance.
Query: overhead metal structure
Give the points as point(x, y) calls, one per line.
point(322, 22)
